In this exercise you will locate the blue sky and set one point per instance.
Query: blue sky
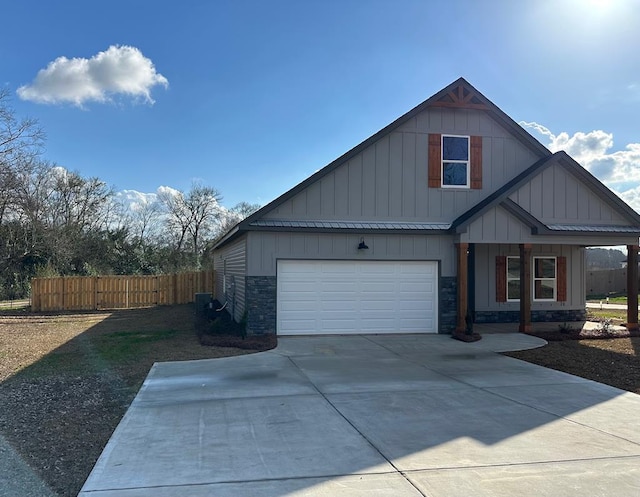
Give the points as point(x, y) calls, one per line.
point(251, 97)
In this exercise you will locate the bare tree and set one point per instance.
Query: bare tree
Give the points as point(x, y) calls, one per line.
point(193, 215)
point(20, 140)
point(20, 143)
point(229, 218)
point(145, 218)
point(245, 209)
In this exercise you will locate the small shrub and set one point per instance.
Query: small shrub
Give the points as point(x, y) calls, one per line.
point(225, 325)
point(218, 329)
point(565, 328)
point(605, 326)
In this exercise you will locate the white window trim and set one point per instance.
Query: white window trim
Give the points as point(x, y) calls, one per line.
point(534, 279)
point(467, 162)
point(512, 279)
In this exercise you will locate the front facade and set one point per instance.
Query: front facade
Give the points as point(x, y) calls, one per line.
point(452, 212)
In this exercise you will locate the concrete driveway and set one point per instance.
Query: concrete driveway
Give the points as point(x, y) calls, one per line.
point(373, 415)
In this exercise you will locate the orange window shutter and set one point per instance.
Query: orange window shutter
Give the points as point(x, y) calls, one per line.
point(501, 278)
point(435, 160)
point(476, 162)
point(561, 277)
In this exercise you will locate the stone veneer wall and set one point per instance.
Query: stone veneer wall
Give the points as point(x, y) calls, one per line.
point(536, 316)
point(261, 305)
point(448, 304)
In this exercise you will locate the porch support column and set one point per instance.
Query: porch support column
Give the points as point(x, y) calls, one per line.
point(525, 288)
point(463, 284)
point(632, 287)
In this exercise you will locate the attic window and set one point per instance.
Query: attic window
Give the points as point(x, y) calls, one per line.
point(455, 161)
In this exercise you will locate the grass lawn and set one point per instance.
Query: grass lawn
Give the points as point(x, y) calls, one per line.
point(617, 315)
point(66, 380)
point(618, 299)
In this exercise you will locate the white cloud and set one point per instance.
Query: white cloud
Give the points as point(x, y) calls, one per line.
point(632, 197)
point(593, 151)
point(167, 190)
point(120, 70)
point(134, 200)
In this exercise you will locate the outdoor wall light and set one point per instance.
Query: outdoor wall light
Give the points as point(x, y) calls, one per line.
point(362, 245)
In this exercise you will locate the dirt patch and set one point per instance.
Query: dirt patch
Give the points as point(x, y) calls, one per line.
point(257, 343)
point(67, 380)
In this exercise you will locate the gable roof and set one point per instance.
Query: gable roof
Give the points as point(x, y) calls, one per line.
point(500, 197)
point(459, 94)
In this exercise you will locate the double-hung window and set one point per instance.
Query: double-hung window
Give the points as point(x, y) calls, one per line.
point(548, 279)
point(544, 278)
point(513, 279)
point(455, 161)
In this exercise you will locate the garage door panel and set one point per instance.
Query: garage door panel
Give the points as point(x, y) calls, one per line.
point(412, 287)
point(328, 268)
point(294, 327)
point(415, 307)
point(378, 324)
point(337, 286)
point(301, 286)
point(341, 326)
point(378, 307)
point(335, 305)
point(303, 309)
point(356, 297)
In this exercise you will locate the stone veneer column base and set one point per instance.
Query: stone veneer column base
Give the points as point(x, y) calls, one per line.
point(260, 296)
point(537, 316)
point(448, 304)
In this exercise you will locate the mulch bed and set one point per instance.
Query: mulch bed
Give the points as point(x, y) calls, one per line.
point(604, 354)
point(580, 334)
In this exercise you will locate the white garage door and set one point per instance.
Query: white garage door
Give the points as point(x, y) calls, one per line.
point(318, 297)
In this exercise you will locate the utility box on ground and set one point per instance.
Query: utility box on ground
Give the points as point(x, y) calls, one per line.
point(203, 303)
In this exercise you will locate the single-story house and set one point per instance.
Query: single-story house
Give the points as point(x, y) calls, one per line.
point(451, 212)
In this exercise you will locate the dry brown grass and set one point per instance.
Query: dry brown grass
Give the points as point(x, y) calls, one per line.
point(66, 380)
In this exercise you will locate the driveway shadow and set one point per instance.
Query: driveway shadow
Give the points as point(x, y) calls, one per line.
point(296, 420)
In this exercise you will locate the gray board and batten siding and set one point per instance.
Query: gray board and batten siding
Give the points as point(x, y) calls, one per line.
point(497, 225)
point(388, 179)
point(265, 248)
point(230, 264)
point(557, 196)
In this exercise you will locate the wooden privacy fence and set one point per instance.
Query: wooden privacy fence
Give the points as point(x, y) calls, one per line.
point(76, 293)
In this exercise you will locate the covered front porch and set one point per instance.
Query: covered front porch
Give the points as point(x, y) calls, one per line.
point(528, 288)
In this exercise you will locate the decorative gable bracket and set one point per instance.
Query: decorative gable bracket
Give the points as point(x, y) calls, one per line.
point(461, 97)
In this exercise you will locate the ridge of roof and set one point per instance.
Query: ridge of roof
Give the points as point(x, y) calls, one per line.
point(495, 112)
